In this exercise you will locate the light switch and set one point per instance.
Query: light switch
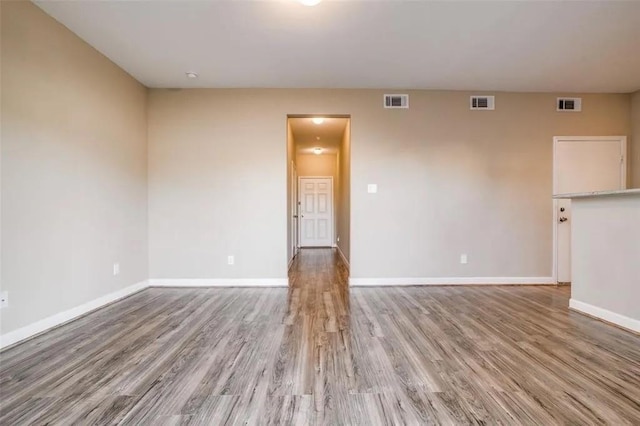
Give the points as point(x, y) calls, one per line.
point(372, 188)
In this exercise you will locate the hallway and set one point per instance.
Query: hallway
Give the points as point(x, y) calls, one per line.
point(318, 353)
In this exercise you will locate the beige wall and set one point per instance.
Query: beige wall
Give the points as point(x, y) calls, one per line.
point(317, 165)
point(344, 193)
point(450, 180)
point(217, 185)
point(74, 175)
point(635, 140)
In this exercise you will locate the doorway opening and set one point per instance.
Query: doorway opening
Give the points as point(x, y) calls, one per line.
point(318, 183)
point(582, 164)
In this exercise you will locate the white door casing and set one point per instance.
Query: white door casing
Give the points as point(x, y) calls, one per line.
point(581, 164)
point(294, 210)
point(316, 211)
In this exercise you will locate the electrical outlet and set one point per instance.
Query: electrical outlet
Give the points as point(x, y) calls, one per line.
point(372, 188)
point(463, 259)
point(4, 299)
point(338, 239)
point(116, 269)
point(230, 260)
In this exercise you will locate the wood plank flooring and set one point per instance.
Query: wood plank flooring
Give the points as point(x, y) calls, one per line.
point(321, 353)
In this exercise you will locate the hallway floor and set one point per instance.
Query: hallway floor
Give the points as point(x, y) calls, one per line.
point(321, 353)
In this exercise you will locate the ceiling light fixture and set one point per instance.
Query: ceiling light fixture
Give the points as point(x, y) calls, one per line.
point(191, 75)
point(317, 151)
point(318, 120)
point(309, 2)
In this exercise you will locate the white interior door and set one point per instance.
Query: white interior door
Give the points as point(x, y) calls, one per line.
point(582, 164)
point(316, 212)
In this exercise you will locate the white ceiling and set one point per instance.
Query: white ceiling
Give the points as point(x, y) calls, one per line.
point(566, 46)
point(306, 134)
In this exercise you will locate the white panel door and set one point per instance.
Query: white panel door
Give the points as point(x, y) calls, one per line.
point(583, 165)
point(316, 212)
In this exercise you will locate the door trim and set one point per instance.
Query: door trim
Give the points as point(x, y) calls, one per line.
point(333, 206)
point(295, 222)
point(623, 183)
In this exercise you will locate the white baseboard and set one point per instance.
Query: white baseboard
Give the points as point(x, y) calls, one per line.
point(606, 315)
point(45, 324)
point(220, 282)
point(38, 327)
point(344, 258)
point(356, 282)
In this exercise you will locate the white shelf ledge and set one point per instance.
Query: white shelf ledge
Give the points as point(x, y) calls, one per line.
point(634, 191)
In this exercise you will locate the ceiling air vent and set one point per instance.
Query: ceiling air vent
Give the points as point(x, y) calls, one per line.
point(396, 101)
point(569, 104)
point(482, 102)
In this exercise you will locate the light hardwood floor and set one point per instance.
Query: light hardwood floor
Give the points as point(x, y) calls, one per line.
point(320, 353)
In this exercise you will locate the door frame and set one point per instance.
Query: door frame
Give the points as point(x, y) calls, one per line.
point(333, 206)
point(623, 182)
point(295, 211)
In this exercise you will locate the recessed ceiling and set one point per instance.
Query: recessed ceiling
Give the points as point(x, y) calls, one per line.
point(569, 46)
point(305, 133)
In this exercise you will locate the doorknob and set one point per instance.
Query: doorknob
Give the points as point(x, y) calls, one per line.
point(563, 219)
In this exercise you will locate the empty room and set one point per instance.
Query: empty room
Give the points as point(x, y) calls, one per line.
point(305, 212)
